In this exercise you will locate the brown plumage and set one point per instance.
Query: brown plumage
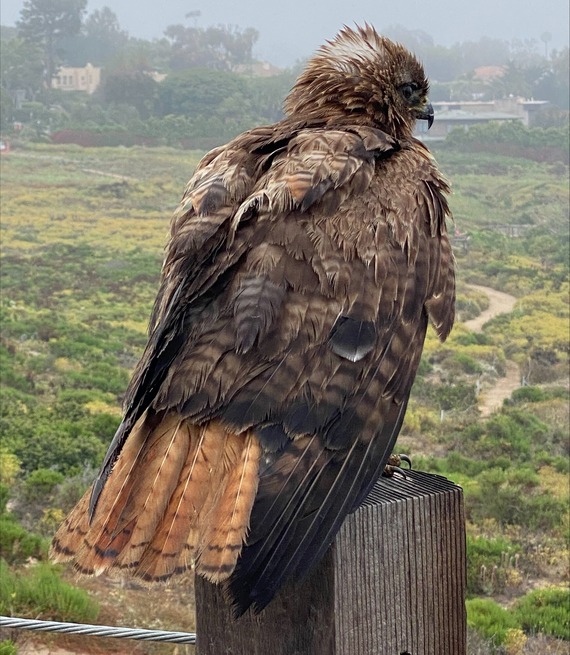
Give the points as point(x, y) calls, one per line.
point(304, 262)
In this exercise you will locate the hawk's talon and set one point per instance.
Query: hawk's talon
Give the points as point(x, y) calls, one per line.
point(393, 470)
point(393, 466)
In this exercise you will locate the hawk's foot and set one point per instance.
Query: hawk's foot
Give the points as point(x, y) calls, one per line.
point(393, 465)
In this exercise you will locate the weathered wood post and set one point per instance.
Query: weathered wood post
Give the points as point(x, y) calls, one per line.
point(392, 584)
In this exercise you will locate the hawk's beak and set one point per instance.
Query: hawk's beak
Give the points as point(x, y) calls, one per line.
point(426, 114)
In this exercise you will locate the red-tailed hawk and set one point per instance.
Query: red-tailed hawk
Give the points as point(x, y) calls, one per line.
point(304, 262)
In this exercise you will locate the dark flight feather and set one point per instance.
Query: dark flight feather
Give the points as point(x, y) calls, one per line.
point(305, 261)
point(352, 339)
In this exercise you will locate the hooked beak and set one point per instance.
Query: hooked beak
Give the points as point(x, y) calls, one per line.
point(426, 114)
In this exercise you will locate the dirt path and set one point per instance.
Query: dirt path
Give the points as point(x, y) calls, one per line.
point(499, 303)
point(67, 160)
point(116, 176)
point(492, 398)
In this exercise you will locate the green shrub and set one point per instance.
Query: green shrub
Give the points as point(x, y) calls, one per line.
point(513, 433)
point(543, 513)
point(9, 467)
point(532, 394)
point(49, 442)
point(488, 561)
point(40, 484)
point(467, 364)
point(8, 648)
point(497, 137)
point(546, 611)
point(457, 463)
point(4, 496)
point(527, 395)
point(514, 497)
point(17, 545)
point(71, 489)
point(450, 466)
point(457, 396)
point(40, 592)
point(490, 620)
point(472, 339)
point(560, 464)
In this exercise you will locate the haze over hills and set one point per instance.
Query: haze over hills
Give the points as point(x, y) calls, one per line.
point(292, 30)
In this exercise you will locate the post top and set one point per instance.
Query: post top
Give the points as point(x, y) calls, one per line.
point(416, 484)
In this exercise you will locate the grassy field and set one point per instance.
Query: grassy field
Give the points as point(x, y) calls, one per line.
point(82, 237)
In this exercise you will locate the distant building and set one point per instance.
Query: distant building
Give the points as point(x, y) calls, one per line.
point(258, 69)
point(489, 73)
point(513, 231)
point(156, 76)
point(459, 113)
point(85, 79)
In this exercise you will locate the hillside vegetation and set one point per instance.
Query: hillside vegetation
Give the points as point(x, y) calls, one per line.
point(82, 237)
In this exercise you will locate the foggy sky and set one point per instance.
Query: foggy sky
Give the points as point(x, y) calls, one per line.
point(293, 29)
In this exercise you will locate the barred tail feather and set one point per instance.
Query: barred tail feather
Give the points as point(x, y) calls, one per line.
point(76, 538)
point(177, 491)
point(199, 476)
point(226, 527)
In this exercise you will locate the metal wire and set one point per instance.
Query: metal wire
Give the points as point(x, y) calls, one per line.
point(98, 630)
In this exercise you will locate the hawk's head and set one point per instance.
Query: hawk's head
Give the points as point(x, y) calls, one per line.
point(362, 77)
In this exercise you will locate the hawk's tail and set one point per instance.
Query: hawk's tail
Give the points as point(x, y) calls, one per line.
point(178, 494)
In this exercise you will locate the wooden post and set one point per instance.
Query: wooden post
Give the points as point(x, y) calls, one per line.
point(392, 584)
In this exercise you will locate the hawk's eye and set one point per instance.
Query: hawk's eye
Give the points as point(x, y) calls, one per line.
point(407, 90)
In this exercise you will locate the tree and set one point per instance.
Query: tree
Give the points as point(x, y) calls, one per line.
point(46, 22)
point(513, 82)
point(268, 93)
point(134, 88)
point(553, 83)
point(103, 24)
point(6, 111)
point(100, 40)
point(416, 40)
point(21, 67)
point(201, 92)
point(484, 52)
point(525, 52)
point(545, 37)
point(221, 47)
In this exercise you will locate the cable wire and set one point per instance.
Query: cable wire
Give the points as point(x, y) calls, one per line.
point(98, 630)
